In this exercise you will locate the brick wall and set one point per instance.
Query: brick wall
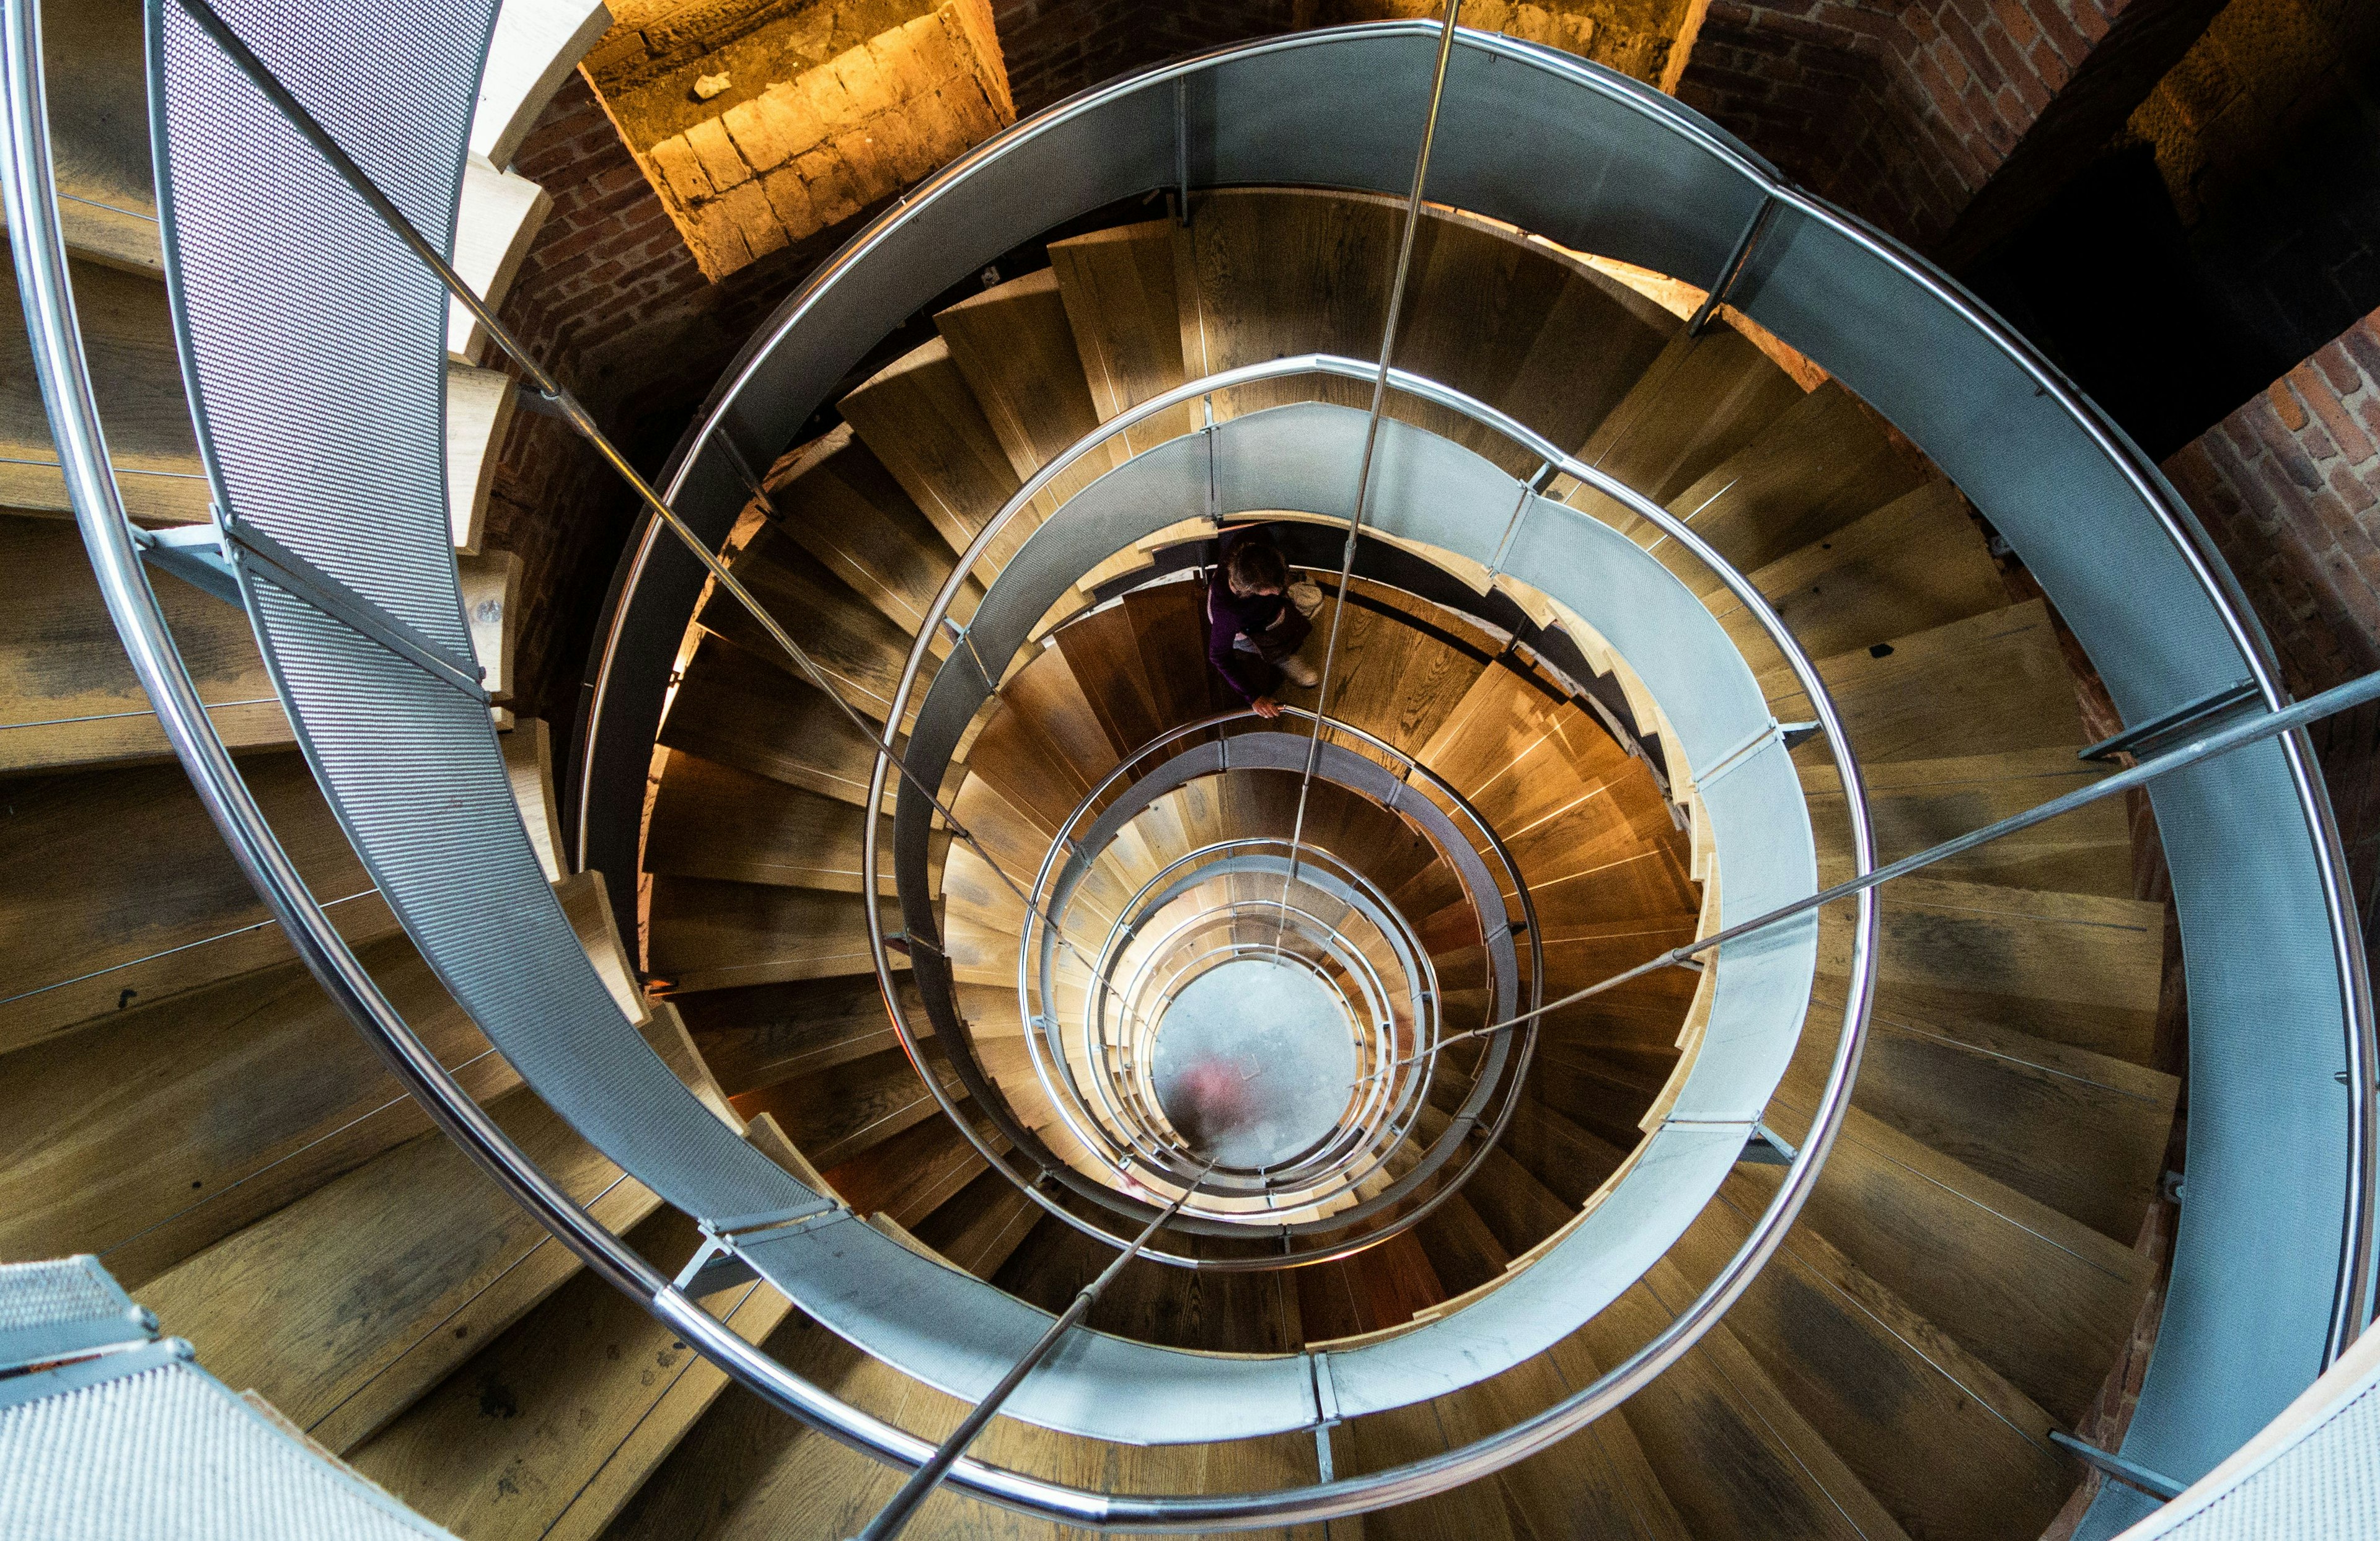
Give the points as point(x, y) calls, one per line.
point(2289, 486)
point(812, 152)
point(1945, 121)
point(1055, 48)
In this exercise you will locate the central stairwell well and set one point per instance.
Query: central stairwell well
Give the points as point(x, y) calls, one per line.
point(1964, 1274)
point(1952, 1296)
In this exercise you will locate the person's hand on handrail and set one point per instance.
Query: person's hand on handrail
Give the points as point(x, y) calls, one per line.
point(1265, 706)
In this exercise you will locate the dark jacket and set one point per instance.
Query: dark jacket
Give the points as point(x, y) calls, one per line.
point(1229, 616)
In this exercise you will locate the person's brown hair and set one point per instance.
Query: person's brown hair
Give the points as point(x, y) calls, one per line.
point(1255, 566)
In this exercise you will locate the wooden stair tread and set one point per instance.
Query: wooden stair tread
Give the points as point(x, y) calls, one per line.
point(450, 1260)
point(1732, 1453)
point(127, 335)
point(159, 1132)
point(1920, 803)
point(755, 1035)
point(1950, 1449)
point(69, 699)
point(839, 502)
point(1015, 347)
point(837, 1111)
point(1117, 286)
point(1819, 464)
point(735, 710)
point(1700, 400)
point(157, 906)
point(2044, 1300)
point(1913, 563)
point(521, 1440)
point(1985, 685)
point(705, 933)
point(2084, 1133)
point(919, 416)
point(712, 820)
point(2076, 968)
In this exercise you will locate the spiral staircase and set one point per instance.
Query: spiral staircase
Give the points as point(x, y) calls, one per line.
point(886, 961)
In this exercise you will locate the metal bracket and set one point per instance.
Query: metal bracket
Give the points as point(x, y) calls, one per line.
point(1736, 262)
point(1520, 516)
point(301, 578)
point(1798, 734)
point(2158, 731)
point(193, 553)
point(1765, 1147)
point(2132, 1474)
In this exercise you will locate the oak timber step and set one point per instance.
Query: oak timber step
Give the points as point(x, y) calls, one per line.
point(1117, 286)
point(2043, 1299)
point(1986, 685)
point(705, 933)
point(136, 376)
point(980, 1226)
point(921, 421)
point(2077, 969)
point(837, 501)
point(1597, 1483)
point(1820, 465)
point(1602, 1094)
point(2082, 1133)
point(549, 1429)
point(834, 1113)
point(712, 820)
point(1016, 349)
point(1918, 804)
point(1700, 400)
point(69, 699)
point(1942, 1441)
point(1102, 654)
point(1474, 1511)
point(913, 1178)
point(1732, 1453)
point(1382, 1287)
point(859, 650)
point(160, 1131)
point(342, 1323)
point(157, 905)
point(1389, 679)
point(1916, 562)
point(98, 134)
point(1261, 274)
point(1169, 627)
point(733, 708)
point(756, 1036)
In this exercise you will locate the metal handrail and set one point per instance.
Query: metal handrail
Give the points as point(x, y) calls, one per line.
point(1857, 996)
point(999, 1159)
point(1434, 783)
point(1127, 931)
point(914, 215)
point(40, 254)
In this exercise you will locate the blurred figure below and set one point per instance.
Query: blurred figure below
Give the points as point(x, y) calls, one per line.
point(1254, 629)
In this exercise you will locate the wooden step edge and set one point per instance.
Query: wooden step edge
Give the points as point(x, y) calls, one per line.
point(492, 585)
point(495, 223)
point(755, 1312)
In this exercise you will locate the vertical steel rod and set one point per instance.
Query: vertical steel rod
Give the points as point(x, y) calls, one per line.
point(926, 1478)
point(1371, 441)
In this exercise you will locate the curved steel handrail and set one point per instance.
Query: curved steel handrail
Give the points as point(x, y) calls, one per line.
point(1040, 907)
point(1128, 930)
point(83, 453)
point(2177, 522)
point(40, 251)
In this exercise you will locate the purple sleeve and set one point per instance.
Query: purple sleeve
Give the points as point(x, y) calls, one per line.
point(1222, 654)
